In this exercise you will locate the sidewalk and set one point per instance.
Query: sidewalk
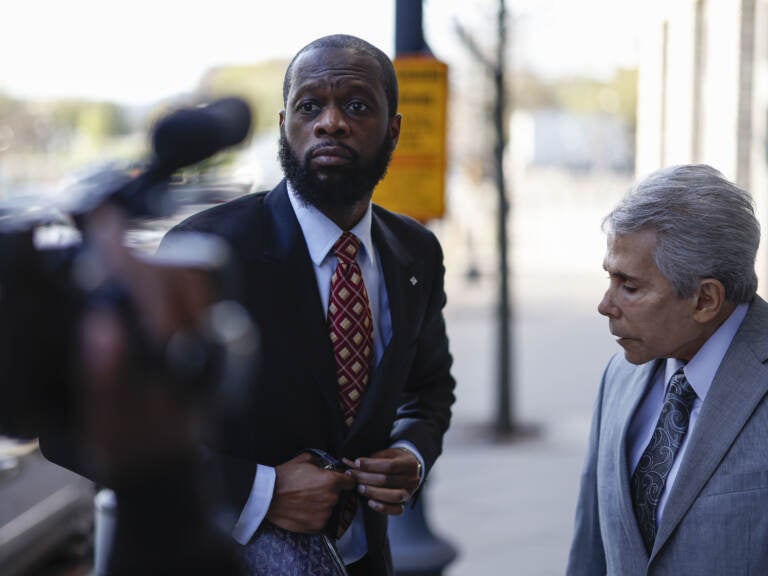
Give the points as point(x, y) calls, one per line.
point(508, 507)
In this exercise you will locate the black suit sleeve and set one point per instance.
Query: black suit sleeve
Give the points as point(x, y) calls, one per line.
point(425, 413)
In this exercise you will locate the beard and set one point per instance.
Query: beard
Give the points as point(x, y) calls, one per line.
point(343, 185)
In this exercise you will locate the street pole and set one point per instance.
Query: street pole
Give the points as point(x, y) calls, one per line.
point(505, 425)
point(416, 549)
point(504, 401)
point(409, 32)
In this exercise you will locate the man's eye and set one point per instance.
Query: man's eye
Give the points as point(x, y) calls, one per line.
point(629, 288)
point(307, 107)
point(357, 106)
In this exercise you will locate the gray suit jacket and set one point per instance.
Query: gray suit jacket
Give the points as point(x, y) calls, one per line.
point(716, 517)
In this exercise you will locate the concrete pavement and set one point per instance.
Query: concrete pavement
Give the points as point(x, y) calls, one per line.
point(508, 506)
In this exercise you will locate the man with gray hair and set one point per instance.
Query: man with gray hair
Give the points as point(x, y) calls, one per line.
point(676, 476)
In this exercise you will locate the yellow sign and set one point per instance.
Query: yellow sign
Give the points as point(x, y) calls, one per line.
point(415, 181)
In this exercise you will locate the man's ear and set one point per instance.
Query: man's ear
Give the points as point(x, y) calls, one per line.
point(710, 300)
point(282, 118)
point(394, 129)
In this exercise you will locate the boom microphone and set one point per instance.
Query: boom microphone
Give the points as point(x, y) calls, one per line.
point(190, 135)
point(184, 137)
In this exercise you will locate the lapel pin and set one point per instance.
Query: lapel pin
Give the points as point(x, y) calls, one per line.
point(413, 281)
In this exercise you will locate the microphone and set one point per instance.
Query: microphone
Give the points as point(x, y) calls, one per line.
point(184, 137)
point(190, 135)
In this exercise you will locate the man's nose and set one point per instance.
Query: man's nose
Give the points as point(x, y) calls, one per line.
point(606, 307)
point(331, 121)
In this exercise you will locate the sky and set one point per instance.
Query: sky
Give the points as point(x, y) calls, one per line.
point(144, 50)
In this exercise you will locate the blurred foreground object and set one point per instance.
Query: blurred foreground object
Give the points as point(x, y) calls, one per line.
point(117, 362)
point(51, 270)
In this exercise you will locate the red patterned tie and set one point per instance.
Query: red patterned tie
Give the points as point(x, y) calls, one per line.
point(351, 330)
point(351, 327)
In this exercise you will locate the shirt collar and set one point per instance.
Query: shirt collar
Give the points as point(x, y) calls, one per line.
point(701, 370)
point(321, 233)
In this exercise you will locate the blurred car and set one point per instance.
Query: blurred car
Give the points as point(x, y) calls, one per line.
point(44, 510)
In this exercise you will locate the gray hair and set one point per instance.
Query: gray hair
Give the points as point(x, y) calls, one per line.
point(705, 228)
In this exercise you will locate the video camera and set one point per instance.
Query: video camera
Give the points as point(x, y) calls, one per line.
point(45, 289)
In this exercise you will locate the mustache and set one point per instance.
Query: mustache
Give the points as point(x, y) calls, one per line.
point(330, 144)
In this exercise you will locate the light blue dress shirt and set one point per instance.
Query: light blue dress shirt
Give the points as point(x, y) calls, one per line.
point(320, 234)
point(699, 372)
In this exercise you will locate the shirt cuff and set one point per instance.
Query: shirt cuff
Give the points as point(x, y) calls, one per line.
point(255, 509)
point(413, 450)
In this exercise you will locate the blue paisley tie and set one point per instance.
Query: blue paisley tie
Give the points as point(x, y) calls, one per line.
point(651, 473)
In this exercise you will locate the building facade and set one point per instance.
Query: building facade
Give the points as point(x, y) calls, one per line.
point(703, 92)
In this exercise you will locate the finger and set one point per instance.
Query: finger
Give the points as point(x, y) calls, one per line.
point(384, 508)
point(373, 479)
point(343, 481)
point(409, 480)
point(385, 495)
point(333, 481)
point(303, 457)
point(402, 465)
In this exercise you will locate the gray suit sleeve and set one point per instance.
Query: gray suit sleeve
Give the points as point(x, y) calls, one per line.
point(587, 556)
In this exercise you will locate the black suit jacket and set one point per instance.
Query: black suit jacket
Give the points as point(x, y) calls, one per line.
point(293, 403)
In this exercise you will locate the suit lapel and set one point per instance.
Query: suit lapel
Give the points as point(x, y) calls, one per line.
point(398, 268)
point(633, 392)
point(739, 385)
point(294, 277)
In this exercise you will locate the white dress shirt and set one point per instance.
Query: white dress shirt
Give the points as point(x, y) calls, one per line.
point(320, 234)
point(699, 372)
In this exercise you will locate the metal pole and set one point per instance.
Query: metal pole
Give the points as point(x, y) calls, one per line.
point(416, 550)
point(505, 400)
point(409, 33)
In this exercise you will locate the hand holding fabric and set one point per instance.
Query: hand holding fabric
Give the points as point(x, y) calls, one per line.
point(305, 495)
point(387, 478)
